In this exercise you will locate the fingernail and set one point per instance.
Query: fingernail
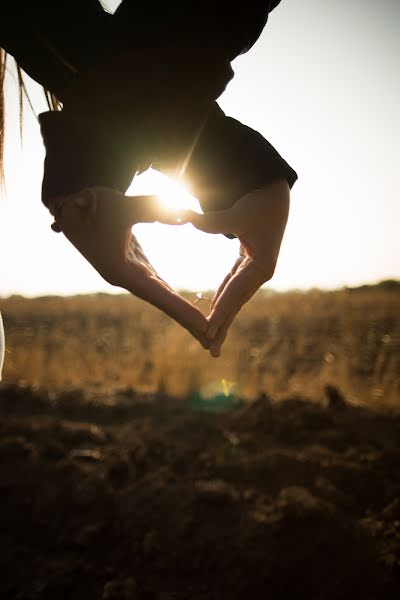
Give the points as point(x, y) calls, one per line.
point(212, 332)
point(215, 351)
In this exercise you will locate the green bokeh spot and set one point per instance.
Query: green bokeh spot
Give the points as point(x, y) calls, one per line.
point(216, 397)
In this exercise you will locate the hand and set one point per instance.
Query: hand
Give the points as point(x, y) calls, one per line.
point(98, 221)
point(259, 221)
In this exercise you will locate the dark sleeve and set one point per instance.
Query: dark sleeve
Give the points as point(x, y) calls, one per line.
point(53, 41)
point(230, 160)
point(81, 154)
point(231, 27)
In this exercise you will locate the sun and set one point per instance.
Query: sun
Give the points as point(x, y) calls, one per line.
point(175, 195)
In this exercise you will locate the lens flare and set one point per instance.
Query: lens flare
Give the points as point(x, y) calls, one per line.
point(227, 386)
point(218, 396)
point(174, 194)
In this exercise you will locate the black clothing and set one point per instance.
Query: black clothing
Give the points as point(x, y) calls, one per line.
point(52, 41)
point(139, 88)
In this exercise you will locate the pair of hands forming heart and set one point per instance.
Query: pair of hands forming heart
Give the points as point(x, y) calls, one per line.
point(98, 222)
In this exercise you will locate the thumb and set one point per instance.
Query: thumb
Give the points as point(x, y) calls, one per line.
point(151, 209)
point(142, 208)
point(219, 221)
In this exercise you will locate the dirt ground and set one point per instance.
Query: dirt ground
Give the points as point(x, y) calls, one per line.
point(141, 497)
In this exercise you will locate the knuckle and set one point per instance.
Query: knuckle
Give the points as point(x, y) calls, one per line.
point(269, 273)
point(111, 278)
point(265, 271)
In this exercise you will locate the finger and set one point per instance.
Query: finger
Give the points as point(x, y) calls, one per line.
point(181, 310)
point(187, 315)
point(105, 247)
point(151, 209)
point(222, 221)
point(142, 280)
point(87, 201)
point(136, 254)
point(118, 208)
point(111, 206)
point(94, 204)
point(216, 345)
point(241, 287)
point(169, 216)
point(225, 281)
point(220, 290)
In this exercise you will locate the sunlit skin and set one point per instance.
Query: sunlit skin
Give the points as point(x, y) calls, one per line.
point(259, 221)
point(98, 223)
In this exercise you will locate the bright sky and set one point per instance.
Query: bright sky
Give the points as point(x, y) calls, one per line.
point(322, 86)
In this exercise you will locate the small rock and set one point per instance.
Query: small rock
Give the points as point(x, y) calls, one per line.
point(249, 495)
point(86, 454)
point(70, 471)
point(89, 534)
point(92, 492)
point(150, 544)
point(121, 589)
point(297, 500)
point(119, 469)
point(80, 434)
point(16, 447)
point(215, 491)
point(328, 491)
point(53, 450)
point(392, 510)
point(334, 396)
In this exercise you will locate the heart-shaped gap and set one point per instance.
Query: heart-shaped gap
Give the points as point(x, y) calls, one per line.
point(187, 258)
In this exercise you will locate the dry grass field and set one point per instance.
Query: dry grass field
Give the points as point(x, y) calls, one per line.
point(281, 344)
point(133, 466)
